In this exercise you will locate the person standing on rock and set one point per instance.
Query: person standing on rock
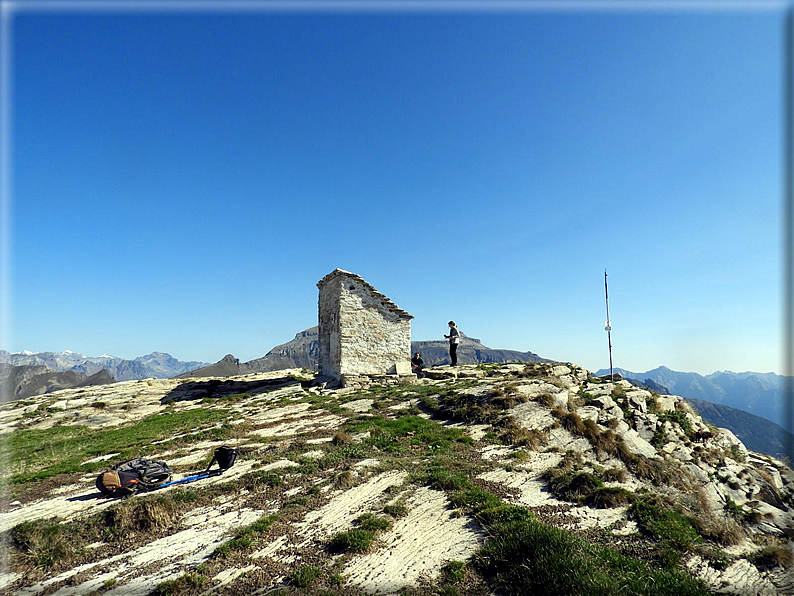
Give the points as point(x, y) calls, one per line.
point(454, 339)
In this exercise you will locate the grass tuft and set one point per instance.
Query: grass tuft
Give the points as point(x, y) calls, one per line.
point(357, 541)
point(370, 522)
point(303, 577)
point(397, 509)
point(44, 543)
point(246, 537)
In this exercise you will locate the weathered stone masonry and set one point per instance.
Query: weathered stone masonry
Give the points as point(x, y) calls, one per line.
point(361, 331)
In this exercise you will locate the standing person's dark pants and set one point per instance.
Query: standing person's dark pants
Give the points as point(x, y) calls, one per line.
point(453, 353)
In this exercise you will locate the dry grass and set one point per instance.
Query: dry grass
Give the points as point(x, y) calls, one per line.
point(609, 443)
point(546, 399)
point(718, 527)
point(571, 421)
point(765, 476)
point(534, 370)
point(344, 479)
point(141, 515)
point(607, 497)
point(614, 475)
point(772, 556)
point(554, 381)
point(341, 438)
point(515, 434)
point(41, 543)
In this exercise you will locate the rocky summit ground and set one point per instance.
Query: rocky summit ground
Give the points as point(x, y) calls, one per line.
point(490, 479)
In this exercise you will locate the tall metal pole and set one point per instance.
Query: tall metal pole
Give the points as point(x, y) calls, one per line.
point(608, 327)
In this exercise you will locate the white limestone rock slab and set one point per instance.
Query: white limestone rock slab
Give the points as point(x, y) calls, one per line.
point(562, 439)
point(359, 405)
point(590, 517)
point(599, 390)
point(637, 445)
point(6, 579)
point(495, 452)
point(589, 413)
point(665, 403)
point(532, 415)
point(418, 545)
point(638, 400)
point(175, 554)
point(568, 381)
point(611, 414)
point(646, 426)
point(740, 577)
point(318, 421)
point(338, 514)
point(533, 491)
point(539, 462)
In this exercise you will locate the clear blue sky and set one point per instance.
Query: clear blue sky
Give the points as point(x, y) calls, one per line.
point(181, 180)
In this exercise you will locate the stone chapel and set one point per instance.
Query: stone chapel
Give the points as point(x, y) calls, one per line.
point(361, 331)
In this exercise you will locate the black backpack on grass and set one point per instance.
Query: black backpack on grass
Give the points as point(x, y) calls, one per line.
point(131, 476)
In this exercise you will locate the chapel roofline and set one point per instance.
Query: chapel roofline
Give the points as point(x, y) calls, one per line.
point(380, 296)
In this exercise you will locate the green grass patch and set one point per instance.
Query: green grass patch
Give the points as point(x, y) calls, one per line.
point(527, 557)
point(678, 417)
point(245, 537)
point(268, 478)
point(370, 522)
point(43, 543)
point(397, 509)
point(406, 432)
point(181, 584)
point(454, 572)
point(441, 479)
point(303, 577)
point(37, 454)
point(670, 527)
point(524, 556)
point(357, 541)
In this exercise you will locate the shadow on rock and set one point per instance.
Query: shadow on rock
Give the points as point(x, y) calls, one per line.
point(88, 497)
point(216, 388)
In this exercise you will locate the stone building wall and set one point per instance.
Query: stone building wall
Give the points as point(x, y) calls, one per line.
point(360, 331)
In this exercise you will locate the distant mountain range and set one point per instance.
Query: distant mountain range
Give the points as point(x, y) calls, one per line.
point(23, 374)
point(157, 364)
point(757, 393)
point(302, 351)
point(23, 381)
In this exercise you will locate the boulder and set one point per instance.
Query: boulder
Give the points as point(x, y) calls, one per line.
point(604, 402)
point(637, 400)
point(665, 403)
point(610, 414)
point(588, 413)
point(637, 445)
